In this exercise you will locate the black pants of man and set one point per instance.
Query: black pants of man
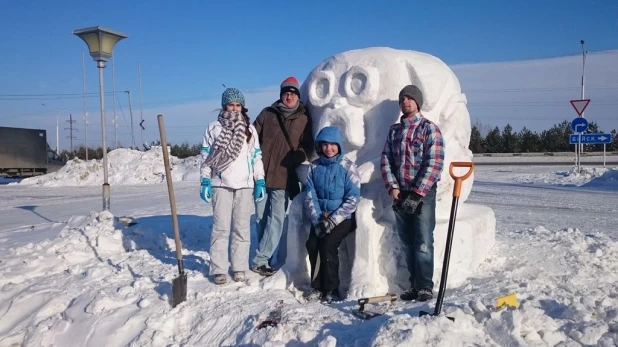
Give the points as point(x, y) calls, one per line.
point(327, 250)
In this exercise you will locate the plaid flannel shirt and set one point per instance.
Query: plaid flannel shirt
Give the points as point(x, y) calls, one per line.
point(413, 155)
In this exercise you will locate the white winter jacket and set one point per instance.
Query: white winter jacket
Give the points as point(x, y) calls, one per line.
point(244, 171)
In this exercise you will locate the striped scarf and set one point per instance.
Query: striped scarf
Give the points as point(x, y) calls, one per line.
point(228, 144)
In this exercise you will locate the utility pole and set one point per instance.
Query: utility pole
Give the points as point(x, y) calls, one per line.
point(584, 53)
point(141, 116)
point(131, 113)
point(57, 137)
point(84, 97)
point(114, 103)
point(70, 128)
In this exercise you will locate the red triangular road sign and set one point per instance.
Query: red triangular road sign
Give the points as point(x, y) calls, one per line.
point(580, 105)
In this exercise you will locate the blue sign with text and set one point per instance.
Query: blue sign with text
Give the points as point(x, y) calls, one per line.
point(590, 138)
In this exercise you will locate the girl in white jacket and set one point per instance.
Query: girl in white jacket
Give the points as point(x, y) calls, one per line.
point(232, 175)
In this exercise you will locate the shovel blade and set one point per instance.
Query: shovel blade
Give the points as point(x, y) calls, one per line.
point(179, 289)
point(423, 313)
point(267, 323)
point(366, 315)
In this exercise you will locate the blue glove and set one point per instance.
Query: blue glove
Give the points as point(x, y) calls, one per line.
point(206, 190)
point(260, 190)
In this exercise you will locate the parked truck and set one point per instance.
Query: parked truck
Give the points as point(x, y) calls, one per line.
point(25, 152)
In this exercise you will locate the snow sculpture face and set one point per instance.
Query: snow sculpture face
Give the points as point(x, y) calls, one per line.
point(357, 91)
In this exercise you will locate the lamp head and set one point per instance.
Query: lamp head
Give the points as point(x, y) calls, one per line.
point(100, 41)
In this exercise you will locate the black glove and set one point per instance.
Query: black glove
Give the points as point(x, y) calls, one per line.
point(299, 157)
point(410, 203)
point(323, 228)
point(397, 205)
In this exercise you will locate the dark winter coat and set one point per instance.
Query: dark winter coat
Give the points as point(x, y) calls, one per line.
point(279, 159)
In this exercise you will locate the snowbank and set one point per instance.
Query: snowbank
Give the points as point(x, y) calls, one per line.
point(99, 284)
point(586, 176)
point(125, 166)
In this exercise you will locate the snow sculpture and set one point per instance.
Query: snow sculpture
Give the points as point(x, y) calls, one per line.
point(357, 90)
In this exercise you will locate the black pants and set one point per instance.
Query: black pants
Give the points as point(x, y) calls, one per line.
point(327, 248)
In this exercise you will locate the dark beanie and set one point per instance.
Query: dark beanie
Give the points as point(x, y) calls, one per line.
point(413, 92)
point(290, 84)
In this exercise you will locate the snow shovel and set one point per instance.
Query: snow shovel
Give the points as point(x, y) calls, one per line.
point(362, 314)
point(179, 284)
point(451, 230)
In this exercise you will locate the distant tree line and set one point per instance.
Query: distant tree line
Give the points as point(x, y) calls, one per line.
point(556, 139)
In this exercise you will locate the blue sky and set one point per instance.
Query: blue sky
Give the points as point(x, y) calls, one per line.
point(187, 49)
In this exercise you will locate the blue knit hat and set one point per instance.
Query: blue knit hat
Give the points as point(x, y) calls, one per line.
point(231, 95)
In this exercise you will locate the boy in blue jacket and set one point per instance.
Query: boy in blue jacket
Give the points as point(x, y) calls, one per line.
point(332, 194)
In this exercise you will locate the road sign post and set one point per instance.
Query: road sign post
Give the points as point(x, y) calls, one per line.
point(579, 125)
point(590, 139)
point(596, 139)
point(580, 105)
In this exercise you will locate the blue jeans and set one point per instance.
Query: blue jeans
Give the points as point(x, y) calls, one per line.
point(416, 232)
point(270, 216)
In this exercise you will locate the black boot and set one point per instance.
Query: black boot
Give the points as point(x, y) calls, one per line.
point(409, 295)
point(330, 296)
point(314, 295)
point(424, 295)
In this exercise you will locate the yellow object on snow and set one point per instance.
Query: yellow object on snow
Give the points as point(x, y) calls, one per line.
point(508, 300)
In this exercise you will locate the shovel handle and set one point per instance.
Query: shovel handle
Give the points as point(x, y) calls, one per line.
point(170, 191)
point(459, 179)
point(376, 299)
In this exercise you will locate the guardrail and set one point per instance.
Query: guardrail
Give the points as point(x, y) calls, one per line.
point(547, 158)
point(546, 154)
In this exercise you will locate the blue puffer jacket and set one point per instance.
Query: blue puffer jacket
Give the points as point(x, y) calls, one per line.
point(333, 184)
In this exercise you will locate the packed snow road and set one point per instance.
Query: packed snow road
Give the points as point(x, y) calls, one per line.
point(27, 206)
point(518, 202)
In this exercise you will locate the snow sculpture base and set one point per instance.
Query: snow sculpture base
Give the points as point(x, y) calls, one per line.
point(362, 276)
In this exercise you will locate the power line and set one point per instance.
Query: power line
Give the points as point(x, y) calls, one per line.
point(493, 90)
point(539, 89)
point(54, 94)
point(70, 128)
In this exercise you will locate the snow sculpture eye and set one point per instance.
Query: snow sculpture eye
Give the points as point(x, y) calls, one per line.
point(321, 88)
point(361, 84)
point(358, 83)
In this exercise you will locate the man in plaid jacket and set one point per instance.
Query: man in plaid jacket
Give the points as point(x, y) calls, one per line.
point(411, 164)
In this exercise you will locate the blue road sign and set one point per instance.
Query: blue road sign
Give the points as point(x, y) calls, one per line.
point(590, 138)
point(579, 124)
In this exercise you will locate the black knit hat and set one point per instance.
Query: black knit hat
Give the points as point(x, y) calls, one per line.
point(413, 92)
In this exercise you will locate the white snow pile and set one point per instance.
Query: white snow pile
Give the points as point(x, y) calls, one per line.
point(125, 167)
point(574, 177)
point(566, 282)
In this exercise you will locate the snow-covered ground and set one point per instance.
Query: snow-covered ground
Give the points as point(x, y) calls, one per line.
point(73, 277)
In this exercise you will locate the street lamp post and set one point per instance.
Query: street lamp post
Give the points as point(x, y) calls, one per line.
point(584, 54)
point(101, 42)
